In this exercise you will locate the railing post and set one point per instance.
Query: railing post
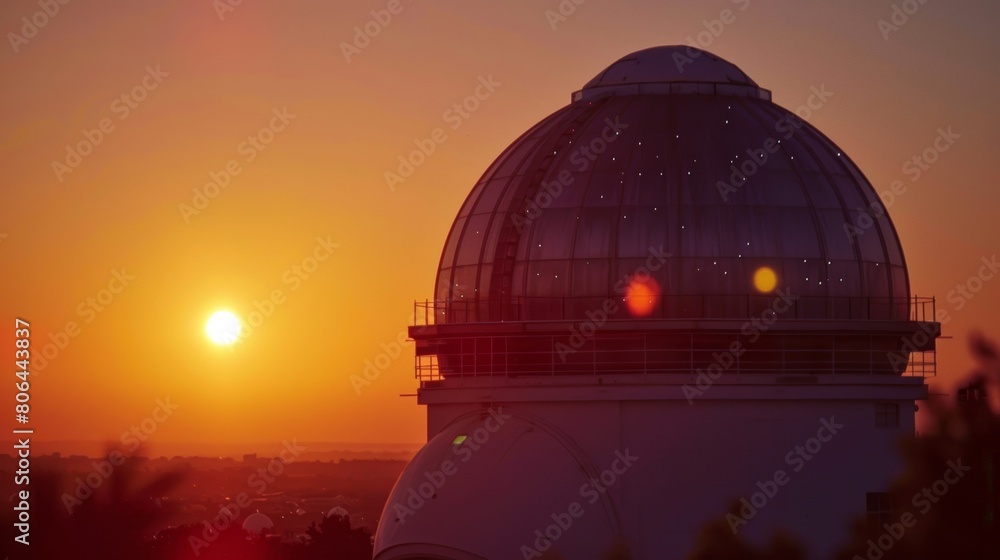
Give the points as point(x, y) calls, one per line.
point(833, 354)
point(871, 349)
point(552, 356)
point(691, 352)
point(645, 354)
point(593, 356)
point(784, 355)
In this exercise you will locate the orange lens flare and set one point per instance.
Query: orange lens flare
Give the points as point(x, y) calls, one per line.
point(642, 296)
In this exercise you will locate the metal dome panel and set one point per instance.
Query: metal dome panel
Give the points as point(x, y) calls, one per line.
point(726, 185)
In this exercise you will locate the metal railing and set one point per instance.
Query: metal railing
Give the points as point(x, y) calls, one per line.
point(585, 348)
point(429, 368)
point(723, 306)
point(685, 353)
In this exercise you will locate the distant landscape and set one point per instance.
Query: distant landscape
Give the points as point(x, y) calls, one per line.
point(292, 493)
point(315, 451)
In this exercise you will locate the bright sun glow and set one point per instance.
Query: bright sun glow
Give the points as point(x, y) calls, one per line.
point(223, 327)
point(765, 279)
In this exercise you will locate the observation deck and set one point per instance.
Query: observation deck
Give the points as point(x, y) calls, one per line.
point(747, 335)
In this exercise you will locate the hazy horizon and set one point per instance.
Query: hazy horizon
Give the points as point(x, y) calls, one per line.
point(100, 448)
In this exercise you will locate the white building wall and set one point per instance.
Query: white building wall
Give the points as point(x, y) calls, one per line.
point(694, 460)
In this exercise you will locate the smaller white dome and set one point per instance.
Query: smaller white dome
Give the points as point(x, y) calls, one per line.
point(673, 63)
point(338, 511)
point(257, 523)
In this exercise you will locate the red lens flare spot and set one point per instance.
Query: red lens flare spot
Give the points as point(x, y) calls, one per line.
point(642, 295)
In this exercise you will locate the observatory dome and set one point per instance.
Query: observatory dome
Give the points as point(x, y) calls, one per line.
point(338, 511)
point(467, 477)
point(674, 168)
point(660, 65)
point(257, 523)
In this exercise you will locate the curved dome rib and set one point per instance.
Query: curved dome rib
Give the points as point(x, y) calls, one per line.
point(552, 229)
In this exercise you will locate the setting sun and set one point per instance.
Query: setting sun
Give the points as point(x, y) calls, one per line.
point(223, 327)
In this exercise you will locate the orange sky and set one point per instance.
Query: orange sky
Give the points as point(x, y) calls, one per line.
point(62, 233)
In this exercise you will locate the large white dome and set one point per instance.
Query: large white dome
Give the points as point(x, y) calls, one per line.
point(503, 487)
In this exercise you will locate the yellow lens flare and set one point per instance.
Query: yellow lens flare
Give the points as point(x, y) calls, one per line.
point(765, 280)
point(223, 328)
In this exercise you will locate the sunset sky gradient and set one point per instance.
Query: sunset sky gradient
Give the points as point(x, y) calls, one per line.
point(317, 190)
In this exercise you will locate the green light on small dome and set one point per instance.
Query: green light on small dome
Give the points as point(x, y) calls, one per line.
point(459, 440)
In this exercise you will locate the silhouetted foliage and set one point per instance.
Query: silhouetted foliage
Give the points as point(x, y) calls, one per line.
point(110, 521)
point(718, 542)
point(334, 538)
point(945, 503)
point(118, 520)
point(188, 542)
